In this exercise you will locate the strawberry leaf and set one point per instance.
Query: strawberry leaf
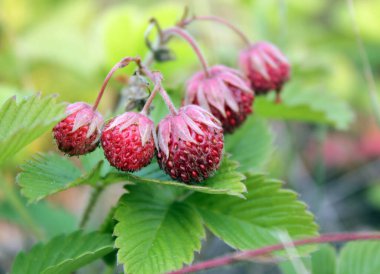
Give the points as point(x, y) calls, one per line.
point(156, 232)
point(256, 221)
point(251, 145)
point(307, 106)
point(47, 174)
point(359, 257)
point(23, 121)
point(63, 254)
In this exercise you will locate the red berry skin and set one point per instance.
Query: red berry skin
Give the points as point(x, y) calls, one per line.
point(234, 119)
point(74, 143)
point(123, 146)
point(225, 92)
point(266, 67)
point(79, 132)
point(189, 161)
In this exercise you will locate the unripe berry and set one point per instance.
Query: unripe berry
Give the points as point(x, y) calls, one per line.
point(80, 131)
point(128, 141)
point(224, 92)
point(190, 144)
point(266, 67)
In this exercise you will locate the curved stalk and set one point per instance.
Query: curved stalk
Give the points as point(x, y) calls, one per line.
point(123, 63)
point(189, 39)
point(217, 20)
point(249, 254)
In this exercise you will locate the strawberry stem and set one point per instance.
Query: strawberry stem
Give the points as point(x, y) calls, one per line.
point(156, 78)
point(168, 101)
point(190, 40)
point(249, 254)
point(121, 64)
point(219, 20)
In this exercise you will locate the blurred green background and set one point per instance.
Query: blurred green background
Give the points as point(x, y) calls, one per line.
point(66, 47)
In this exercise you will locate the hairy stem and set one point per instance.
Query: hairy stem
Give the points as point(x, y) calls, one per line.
point(168, 101)
point(249, 254)
point(189, 39)
point(219, 20)
point(156, 79)
point(123, 63)
point(90, 206)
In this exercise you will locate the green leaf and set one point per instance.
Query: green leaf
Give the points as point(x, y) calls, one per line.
point(155, 231)
point(251, 145)
point(52, 219)
point(47, 174)
point(63, 254)
point(256, 221)
point(323, 261)
point(225, 181)
point(23, 122)
point(307, 106)
point(360, 257)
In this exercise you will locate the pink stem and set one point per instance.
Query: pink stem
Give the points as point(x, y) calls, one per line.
point(156, 78)
point(168, 101)
point(220, 21)
point(123, 63)
point(186, 36)
point(245, 255)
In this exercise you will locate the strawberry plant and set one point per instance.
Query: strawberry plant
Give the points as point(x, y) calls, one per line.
point(191, 162)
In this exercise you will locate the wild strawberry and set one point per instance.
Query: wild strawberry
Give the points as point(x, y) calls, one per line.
point(190, 144)
point(224, 92)
point(128, 141)
point(265, 66)
point(80, 131)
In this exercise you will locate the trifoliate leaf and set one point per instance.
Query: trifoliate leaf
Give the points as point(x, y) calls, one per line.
point(156, 232)
point(24, 121)
point(63, 254)
point(256, 221)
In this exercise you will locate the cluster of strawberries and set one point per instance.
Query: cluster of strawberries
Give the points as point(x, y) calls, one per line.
point(188, 143)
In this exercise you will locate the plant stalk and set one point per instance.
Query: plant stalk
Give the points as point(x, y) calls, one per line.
point(249, 254)
point(123, 63)
point(90, 206)
point(218, 20)
point(190, 40)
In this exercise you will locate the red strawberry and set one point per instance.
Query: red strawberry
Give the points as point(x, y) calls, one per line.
point(128, 141)
point(80, 131)
point(190, 144)
point(265, 66)
point(224, 92)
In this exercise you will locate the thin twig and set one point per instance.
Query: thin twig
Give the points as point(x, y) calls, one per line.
point(368, 74)
point(249, 254)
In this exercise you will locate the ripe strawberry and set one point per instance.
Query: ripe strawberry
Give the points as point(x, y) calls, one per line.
point(265, 66)
point(190, 144)
point(128, 141)
point(80, 131)
point(224, 92)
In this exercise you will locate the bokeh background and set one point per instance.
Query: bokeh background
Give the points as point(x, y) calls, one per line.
point(66, 47)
